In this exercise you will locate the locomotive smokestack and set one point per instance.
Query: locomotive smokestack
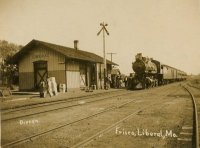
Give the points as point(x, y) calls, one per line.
point(76, 44)
point(138, 56)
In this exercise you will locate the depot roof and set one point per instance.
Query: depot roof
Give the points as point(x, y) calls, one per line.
point(66, 51)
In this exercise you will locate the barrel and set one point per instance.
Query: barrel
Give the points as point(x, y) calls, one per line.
point(62, 88)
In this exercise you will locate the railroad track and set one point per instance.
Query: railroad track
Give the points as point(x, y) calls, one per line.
point(30, 138)
point(6, 117)
point(53, 102)
point(193, 86)
point(63, 107)
point(108, 129)
point(37, 105)
point(196, 115)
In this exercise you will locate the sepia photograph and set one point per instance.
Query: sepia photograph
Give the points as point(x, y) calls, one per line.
point(100, 73)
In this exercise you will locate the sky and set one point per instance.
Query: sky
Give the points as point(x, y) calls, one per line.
point(166, 30)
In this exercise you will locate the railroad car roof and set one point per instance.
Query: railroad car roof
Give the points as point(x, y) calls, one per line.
point(66, 51)
point(173, 68)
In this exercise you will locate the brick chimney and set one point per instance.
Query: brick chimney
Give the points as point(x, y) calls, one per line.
point(76, 44)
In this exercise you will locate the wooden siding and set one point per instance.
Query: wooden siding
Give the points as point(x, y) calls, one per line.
point(55, 60)
point(26, 80)
point(74, 74)
point(82, 80)
point(55, 66)
point(73, 79)
point(82, 68)
point(72, 65)
point(88, 76)
point(98, 75)
point(59, 76)
point(102, 76)
point(109, 68)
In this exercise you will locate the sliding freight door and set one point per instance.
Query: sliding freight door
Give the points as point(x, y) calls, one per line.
point(73, 79)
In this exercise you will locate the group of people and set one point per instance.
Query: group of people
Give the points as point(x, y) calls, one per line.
point(48, 87)
point(117, 81)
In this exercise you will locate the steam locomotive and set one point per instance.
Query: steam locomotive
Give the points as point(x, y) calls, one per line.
point(151, 73)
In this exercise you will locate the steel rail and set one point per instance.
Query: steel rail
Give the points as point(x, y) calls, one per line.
point(52, 102)
point(195, 117)
point(29, 138)
point(193, 86)
point(98, 134)
point(59, 108)
point(65, 107)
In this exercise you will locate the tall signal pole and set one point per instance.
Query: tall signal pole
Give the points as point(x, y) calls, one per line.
point(103, 28)
point(111, 53)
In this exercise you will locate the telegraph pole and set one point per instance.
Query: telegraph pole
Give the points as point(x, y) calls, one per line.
point(111, 53)
point(104, 48)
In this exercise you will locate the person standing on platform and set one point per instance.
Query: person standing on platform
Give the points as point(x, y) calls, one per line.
point(42, 89)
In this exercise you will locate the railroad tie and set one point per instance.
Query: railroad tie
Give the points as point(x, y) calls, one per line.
point(185, 137)
point(187, 128)
point(186, 134)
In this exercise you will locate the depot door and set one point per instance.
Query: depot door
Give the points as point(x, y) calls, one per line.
point(40, 73)
point(73, 79)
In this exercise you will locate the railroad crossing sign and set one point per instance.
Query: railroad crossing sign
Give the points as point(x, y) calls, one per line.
point(104, 50)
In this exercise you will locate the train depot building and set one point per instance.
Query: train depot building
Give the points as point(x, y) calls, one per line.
point(77, 69)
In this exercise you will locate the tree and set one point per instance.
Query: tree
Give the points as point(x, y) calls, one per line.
point(8, 72)
point(8, 49)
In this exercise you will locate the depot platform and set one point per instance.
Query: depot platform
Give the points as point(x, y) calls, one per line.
point(20, 99)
